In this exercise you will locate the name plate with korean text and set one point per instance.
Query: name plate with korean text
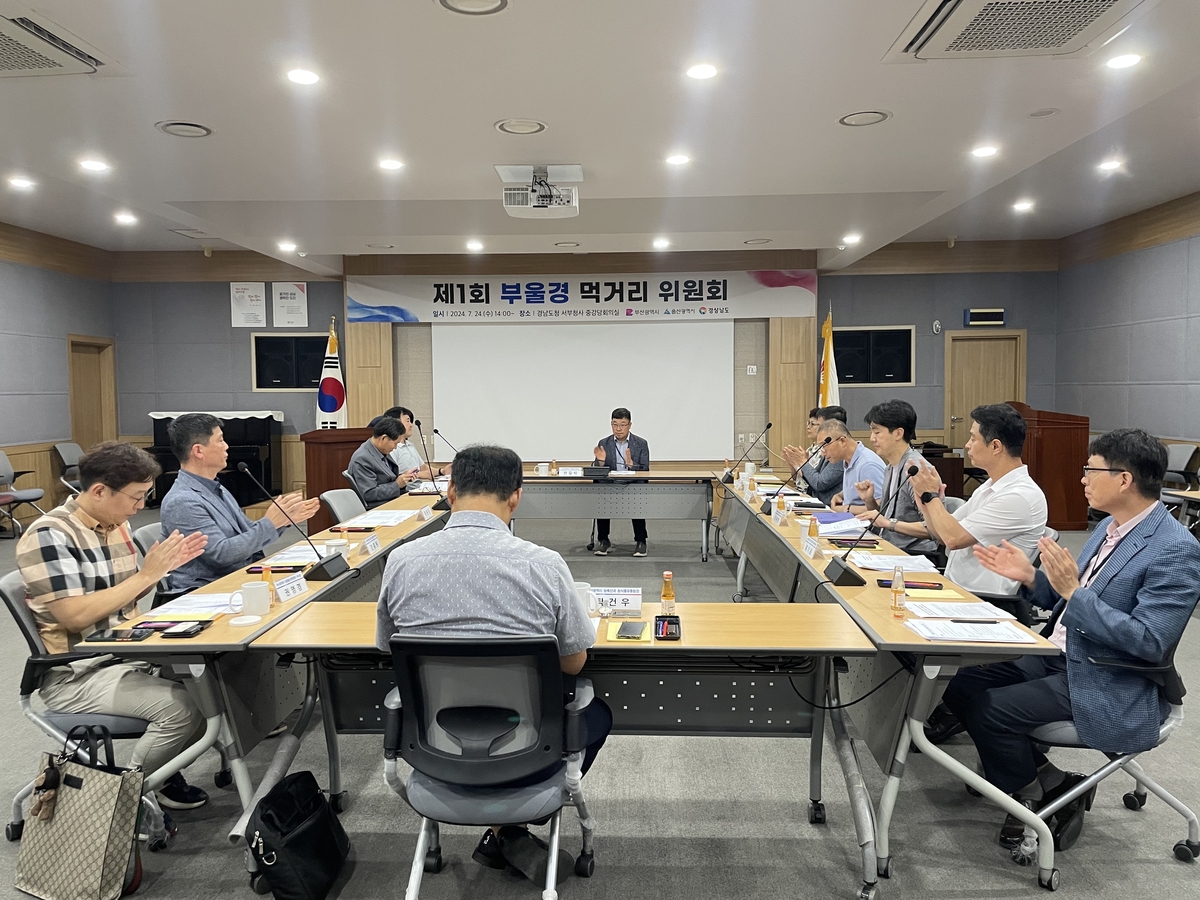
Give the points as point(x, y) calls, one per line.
point(570, 471)
point(426, 513)
point(620, 601)
point(811, 547)
point(370, 545)
point(291, 587)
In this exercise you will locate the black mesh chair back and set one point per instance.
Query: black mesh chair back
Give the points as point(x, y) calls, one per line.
point(12, 589)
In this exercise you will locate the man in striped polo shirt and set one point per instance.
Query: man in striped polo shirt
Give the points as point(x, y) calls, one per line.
point(81, 575)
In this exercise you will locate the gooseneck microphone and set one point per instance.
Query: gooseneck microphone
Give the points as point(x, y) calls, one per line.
point(838, 571)
point(442, 503)
point(328, 567)
point(727, 478)
point(766, 507)
point(443, 437)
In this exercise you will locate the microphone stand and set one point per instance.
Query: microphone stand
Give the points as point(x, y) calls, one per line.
point(727, 478)
point(765, 509)
point(443, 437)
point(328, 567)
point(838, 571)
point(442, 503)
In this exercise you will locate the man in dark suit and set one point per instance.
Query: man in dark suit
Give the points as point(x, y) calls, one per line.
point(376, 477)
point(1128, 597)
point(622, 452)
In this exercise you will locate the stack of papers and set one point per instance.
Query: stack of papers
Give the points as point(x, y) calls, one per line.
point(195, 607)
point(428, 487)
point(385, 518)
point(293, 555)
point(845, 526)
point(880, 562)
point(973, 632)
point(981, 610)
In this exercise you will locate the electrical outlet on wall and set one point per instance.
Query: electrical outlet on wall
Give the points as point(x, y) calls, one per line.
point(741, 439)
point(751, 370)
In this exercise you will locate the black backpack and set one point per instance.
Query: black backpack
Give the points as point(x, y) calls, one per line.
point(298, 842)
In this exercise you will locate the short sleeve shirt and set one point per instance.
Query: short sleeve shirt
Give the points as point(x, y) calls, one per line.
point(406, 457)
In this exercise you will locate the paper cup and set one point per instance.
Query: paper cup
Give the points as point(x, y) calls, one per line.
point(338, 546)
point(588, 596)
point(751, 468)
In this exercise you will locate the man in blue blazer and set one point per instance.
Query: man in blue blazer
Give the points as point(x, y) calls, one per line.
point(1128, 597)
point(622, 452)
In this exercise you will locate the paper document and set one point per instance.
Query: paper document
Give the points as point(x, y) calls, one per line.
point(880, 562)
point(974, 632)
point(297, 553)
point(845, 526)
point(385, 518)
point(982, 610)
point(196, 606)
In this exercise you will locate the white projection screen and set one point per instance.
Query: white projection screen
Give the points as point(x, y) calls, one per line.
point(547, 391)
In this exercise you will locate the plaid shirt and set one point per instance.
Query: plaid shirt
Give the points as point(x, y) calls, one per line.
point(67, 553)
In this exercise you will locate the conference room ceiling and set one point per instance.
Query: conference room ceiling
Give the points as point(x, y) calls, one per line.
point(414, 82)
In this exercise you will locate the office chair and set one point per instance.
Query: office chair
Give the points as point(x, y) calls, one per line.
point(343, 504)
point(19, 496)
point(69, 453)
point(1182, 463)
point(354, 487)
point(472, 715)
point(953, 503)
point(14, 529)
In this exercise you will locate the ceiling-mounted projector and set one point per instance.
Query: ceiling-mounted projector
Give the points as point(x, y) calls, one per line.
point(538, 192)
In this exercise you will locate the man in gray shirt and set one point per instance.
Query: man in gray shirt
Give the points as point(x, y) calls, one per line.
point(477, 578)
point(893, 426)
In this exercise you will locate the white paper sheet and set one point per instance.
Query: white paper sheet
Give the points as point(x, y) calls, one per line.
point(385, 518)
point(192, 604)
point(297, 553)
point(934, 610)
point(975, 632)
point(844, 526)
point(879, 562)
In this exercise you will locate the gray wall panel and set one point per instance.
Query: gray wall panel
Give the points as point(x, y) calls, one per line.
point(1193, 285)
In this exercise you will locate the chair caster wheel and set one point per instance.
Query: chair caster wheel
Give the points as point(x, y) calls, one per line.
point(157, 845)
point(1024, 855)
point(1051, 883)
point(259, 885)
point(883, 867)
point(1185, 851)
point(14, 830)
point(433, 862)
point(223, 778)
point(737, 598)
point(816, 812)
point(867, 892)
point(585, 864)
point(1134, 800)
point(340, 801)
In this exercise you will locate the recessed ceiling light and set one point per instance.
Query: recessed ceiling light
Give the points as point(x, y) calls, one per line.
point(21, 184)
point(93, 165)
point(985, 151)
point(391, 164)
point(381, 246)
point(661, 243)
point(287, 247)
point(704, 70)
point(1109, 165)
point(567, 244)
point(678, 159)
point(865, 117)
point(124, 218)
point(176, 128)
point(474, 246)
point(303, 76)
point(1124, 61)
point(1023, 205)
point(474, 7)
point(520, 126)
point(851, 238)
point(1045, 113)
point(757, 241)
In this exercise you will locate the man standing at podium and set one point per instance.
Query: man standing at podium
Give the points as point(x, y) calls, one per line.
point(622, 452)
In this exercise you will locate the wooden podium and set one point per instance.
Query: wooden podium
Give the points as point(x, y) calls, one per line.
point(327, 452)
point(1056, 452)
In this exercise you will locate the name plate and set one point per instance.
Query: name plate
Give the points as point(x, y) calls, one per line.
point(570, 471)
point(619, 601)
point(811, 547)
point(370, 545)
point(291, 587)
point(779, 516)
point(426, 513)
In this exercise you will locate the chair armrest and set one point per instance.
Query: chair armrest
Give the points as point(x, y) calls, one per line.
point(579, 698)
point(17, 473)
point(37, 666)
point(391, 724)
point(1165, 675)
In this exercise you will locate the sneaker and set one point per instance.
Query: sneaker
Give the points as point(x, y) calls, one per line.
point(487, 852)
point(178, 794)
point(640, 549)
point(602, 548)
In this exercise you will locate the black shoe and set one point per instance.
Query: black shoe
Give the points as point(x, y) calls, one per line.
point(640, 549)
point(1012, 832)
point(529, 855)
point(487, 852)
point(178, 794)
point(942, 725)
point(602, 548)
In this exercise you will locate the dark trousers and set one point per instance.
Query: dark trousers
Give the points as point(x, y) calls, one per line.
point(597, 723)
point(639, 529)
point(1000, 704)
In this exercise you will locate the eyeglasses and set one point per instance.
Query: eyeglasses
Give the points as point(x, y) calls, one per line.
point(137, 498)
point(1088, 470)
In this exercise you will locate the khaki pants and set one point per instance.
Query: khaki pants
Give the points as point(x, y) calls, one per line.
point(128, 689)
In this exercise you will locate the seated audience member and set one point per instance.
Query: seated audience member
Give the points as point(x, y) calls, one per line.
point(476, 578)
point(1009, 506)
point(893, 429)
point(1129, 596)
point(824, 478)
point(407, 455)
point(81, 575)
point(376, 476)
point(198, 502)
point(861, 464)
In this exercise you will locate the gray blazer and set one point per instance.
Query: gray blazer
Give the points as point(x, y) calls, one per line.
point(372, 475)
point(903, 507)
point(639, 450)
point(824, 477)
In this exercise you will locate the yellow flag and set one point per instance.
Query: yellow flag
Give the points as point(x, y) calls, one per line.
point(829, 380)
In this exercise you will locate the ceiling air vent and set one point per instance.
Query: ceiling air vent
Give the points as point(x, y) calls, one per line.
point(978, 29)
point(27, 48)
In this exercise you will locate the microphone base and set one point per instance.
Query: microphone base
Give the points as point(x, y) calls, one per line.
point(727, 478)
point(765, 509)
point(328, 568)
point(839, 572)
point(442, 504)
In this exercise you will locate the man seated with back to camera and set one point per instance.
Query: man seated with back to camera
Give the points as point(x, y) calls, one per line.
point(824, 478)
point(1129, 596)
point(862, 465)
point(376, 477)
point(893, 425)
point(475, 577)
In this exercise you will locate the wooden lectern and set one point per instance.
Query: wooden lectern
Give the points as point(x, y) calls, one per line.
point(327, 452)
point(1056, 452)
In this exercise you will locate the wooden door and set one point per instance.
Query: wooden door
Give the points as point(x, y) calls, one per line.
point(90, 361)
point(981, 368)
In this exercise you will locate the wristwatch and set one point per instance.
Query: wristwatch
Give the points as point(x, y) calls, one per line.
point(928, 497)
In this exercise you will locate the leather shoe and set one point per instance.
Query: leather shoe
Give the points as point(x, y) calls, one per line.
point(1013, 829)
point(530, 855)
point(487, 852)
point(942, 725)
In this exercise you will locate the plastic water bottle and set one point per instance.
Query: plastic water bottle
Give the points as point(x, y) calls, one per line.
point(898, 591)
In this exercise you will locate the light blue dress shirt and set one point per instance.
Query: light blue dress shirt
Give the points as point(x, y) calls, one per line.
point(864, 465)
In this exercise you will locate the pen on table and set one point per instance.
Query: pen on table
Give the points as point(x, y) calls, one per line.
point(975, 621)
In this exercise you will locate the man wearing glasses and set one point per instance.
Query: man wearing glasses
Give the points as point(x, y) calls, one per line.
point(81, 575)
point(862, 465)
point(824, 479)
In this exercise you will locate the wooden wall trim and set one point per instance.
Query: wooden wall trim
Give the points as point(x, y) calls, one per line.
point(193, 265)
point(1162, 224)
point(922, 258)
point(32, 248)
point(576, 263)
